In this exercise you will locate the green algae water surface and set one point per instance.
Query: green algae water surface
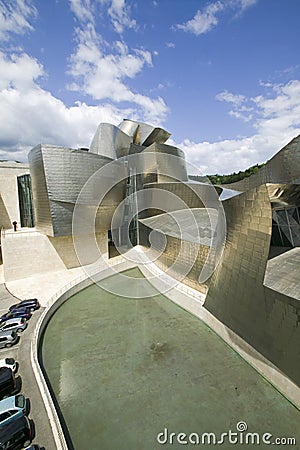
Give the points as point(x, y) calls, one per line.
point(127, 373)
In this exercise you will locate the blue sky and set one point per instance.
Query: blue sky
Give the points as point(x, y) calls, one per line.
point(223, 77)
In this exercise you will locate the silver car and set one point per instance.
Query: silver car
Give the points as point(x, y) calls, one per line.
point(11, 408)
point(8, 338)
point(17, 324)
point(10, 363)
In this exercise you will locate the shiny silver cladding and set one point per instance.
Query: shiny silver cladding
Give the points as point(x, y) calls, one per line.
point(165, 164)
point(110, 141)
point(42, 213)
point(284, 167)
point(194, 195)
point(142, 133)
point(58, 175)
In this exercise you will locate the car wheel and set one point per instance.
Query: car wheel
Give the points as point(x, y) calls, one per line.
point(19, 330)
point(26, 443)
point(8, 345)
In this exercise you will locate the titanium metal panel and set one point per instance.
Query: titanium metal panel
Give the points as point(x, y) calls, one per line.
point(283, 195)
point(110, 141)
point(42, 214)
point(192, 225)
point(194, 195)
point(284, 167)
point(167, 169)
point(268, 320)
point(143, 133)
point(58, 175)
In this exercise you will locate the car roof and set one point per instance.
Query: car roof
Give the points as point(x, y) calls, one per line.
point(15, 319)
point(29, 300)
point(12, 427)
point(21, 307)
point(7, 403)
point(6, 333)
point(5, 373)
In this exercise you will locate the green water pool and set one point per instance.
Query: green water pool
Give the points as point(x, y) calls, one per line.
point(124, 370)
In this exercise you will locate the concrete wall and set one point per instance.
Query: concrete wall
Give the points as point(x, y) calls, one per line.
point(29, 253)
point(9, 206)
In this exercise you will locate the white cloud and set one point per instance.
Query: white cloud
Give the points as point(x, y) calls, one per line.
point(82, 10)
point(170, 44)
point(276, 120)
point(226, 96)
point(241, 116)
point(119, 14)
point(117, 10)
point(103, 75)
point(15, 16)
point(240, 110)
point(244, 4)
point(30, 115)
point(19, 71)
point(204, 20)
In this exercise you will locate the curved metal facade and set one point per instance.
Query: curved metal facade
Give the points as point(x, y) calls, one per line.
point(58, 175)
point(282, 168)
point(243, 292)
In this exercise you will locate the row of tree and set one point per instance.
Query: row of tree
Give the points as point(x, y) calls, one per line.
point(230, 178)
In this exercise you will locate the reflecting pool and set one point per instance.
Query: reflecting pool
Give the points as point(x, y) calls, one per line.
point(123, 370)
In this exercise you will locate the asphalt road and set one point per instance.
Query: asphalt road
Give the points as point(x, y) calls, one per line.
point(21, 353)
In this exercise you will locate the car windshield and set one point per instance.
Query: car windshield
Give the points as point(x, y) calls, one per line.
point(9, 360)
point(20, 401)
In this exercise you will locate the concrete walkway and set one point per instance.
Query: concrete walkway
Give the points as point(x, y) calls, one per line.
point(45, 285)
point(21, 353)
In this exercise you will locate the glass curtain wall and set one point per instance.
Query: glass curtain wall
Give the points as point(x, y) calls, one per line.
point(286, 227)
point(25, 201)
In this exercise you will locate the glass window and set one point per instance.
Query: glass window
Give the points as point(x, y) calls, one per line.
point(25, 201)
point(4, 416)
point(20, 401)
point(282, 218)
point(276, 239)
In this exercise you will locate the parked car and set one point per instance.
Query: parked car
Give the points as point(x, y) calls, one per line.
point(8, 338)
point(8, 384)
point(31, 303)
point(25, 313)
point(10, 363)
point(11, 408)
point(17, 324)
point(16, 434)
point(34, 447)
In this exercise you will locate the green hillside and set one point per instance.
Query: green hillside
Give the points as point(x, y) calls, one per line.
point(230, 178)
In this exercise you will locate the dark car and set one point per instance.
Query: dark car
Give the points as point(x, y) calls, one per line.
point(16, 434)
point(8, 385)
point(20, 312)
point(31, 303)
point(34, 447)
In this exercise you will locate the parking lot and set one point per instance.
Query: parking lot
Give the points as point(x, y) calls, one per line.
point(21, 353)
